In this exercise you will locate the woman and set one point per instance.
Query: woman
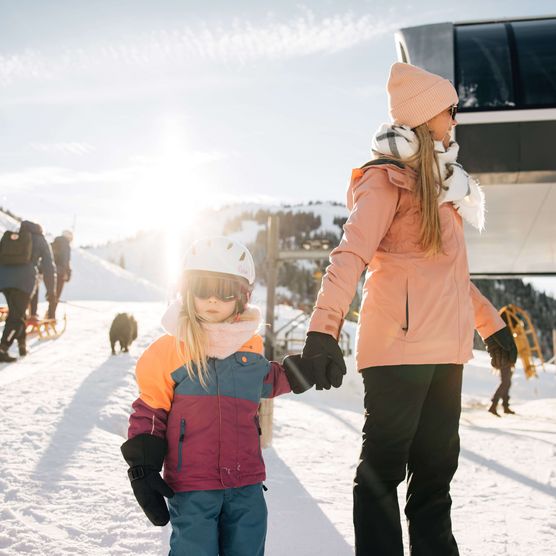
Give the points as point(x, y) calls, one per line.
point(417, 317)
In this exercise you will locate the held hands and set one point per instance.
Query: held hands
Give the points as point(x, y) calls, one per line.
point(323, 355)
point(502, 349)
point(145, 454)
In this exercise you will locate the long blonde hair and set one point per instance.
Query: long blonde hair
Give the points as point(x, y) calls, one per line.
point(194, 354)
point(424, 161)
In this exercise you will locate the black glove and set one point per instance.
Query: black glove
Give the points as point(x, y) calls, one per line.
point(502, 349)
point(299, 372)
point(323, 351)
point(145, 454)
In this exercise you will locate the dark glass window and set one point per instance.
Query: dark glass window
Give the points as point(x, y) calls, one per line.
point(536, 53)
point(483, 66)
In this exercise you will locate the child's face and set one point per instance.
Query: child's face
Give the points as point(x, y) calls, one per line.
point(213, 309)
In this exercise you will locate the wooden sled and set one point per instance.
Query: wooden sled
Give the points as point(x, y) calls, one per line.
point(46, 329)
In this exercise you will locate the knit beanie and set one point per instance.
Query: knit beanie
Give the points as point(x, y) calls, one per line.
point(415, 95)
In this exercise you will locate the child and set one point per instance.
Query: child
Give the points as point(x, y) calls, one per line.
point(200, 387)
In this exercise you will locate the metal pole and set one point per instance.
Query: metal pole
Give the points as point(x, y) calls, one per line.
point(272, 233)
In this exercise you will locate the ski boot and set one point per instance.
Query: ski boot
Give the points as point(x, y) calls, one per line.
point(492, 409)
point(22, 346)
point(508, 410)
point(5, 357)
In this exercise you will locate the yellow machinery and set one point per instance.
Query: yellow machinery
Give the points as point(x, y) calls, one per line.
point(525, 337)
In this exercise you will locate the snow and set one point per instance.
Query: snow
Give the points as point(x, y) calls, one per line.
point(64, 490)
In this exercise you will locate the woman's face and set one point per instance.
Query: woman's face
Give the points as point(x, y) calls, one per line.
point(441, 126)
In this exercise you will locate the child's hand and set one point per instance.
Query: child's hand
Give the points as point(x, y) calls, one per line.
point(299, 372)
point(149, 489)
point(145, 454)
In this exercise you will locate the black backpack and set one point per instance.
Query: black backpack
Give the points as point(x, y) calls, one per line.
point(16, 247)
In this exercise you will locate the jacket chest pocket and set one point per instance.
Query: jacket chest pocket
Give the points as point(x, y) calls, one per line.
point(181, 438)
point(259, 434)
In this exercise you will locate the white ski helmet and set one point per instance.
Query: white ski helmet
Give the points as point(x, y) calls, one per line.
point(223, 255)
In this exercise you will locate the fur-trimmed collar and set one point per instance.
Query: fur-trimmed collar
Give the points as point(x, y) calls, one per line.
point(223, 338)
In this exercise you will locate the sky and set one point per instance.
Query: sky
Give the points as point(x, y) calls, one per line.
point(120, 115)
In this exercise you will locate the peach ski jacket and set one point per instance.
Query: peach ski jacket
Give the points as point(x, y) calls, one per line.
point(415, 309)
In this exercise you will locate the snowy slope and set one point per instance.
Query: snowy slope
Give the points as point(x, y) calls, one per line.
point(95, 278)
point(63, 487)
point(143, 256)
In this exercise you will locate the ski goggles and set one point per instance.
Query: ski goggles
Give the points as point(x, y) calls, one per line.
point(453, 111)
point(222, 288)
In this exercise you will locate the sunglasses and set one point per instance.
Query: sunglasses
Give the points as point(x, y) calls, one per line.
point(223, 289)
point(453, 111)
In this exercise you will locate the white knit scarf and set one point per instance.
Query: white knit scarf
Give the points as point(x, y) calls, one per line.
point(458, 187)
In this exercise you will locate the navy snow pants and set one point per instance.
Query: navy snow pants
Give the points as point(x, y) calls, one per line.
point(411, 427)
point(228, 522)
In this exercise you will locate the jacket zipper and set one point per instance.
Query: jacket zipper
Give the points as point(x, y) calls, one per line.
point(180, 442)
point(406, 327)
point(219, 425)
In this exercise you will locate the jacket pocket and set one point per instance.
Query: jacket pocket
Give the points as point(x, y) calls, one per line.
point(259, 433)
point(180, 442)
point(405, 327)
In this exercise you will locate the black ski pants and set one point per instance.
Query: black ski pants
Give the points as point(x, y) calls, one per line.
point(411, 425)
point(14, 329)
point(503, 390)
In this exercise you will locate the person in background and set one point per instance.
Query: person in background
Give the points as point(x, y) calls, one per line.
point(61, 250)
point(503, 390)
point(20, 255)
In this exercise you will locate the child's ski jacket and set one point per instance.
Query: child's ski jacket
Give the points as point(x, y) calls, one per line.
point(213, 434)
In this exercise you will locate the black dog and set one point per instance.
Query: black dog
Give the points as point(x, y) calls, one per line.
point(123, 330)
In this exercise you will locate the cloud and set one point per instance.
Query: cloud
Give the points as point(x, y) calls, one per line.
point(242, 42)
point(71, 148)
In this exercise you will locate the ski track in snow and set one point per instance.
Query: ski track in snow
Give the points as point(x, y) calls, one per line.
point(63, 483)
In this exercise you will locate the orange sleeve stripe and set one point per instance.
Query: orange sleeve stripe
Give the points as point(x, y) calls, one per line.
point(154, 373)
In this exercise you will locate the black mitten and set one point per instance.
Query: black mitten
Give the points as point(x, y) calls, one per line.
point(502, 349)
point(326, 356)
point(299, 372)
point(145, 455)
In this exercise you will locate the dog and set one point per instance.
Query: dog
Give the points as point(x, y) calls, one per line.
point(124, 330)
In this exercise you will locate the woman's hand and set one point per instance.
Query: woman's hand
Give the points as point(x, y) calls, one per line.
point(324, 354)
point(502, 349)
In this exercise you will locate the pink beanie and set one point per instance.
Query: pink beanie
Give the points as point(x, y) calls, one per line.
point(415, 95)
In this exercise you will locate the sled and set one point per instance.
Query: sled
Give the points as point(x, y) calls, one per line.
point(525, 337)
point(46, 329)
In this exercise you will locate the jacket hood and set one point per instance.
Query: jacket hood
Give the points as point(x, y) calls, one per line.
point(223, 338)
point(33, 227)
point(398, 175)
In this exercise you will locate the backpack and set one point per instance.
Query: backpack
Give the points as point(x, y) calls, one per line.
point(16, 248)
